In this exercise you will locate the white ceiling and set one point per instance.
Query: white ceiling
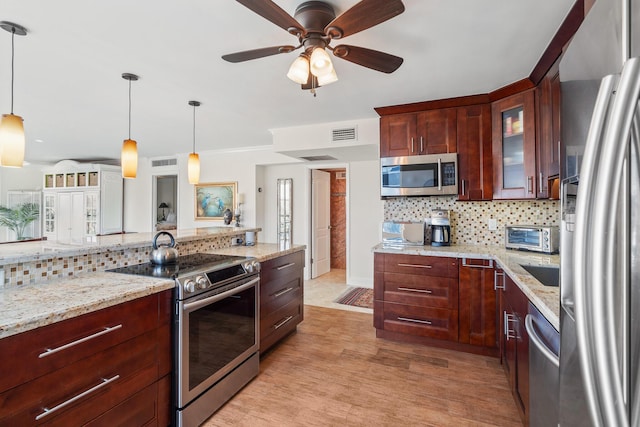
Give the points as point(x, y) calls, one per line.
point(69, 90)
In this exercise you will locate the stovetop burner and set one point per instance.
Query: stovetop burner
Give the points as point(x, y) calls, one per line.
point(186, 264)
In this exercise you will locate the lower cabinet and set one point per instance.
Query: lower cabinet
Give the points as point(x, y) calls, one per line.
point(478, 304)
point(281, 297)
point(107, 367)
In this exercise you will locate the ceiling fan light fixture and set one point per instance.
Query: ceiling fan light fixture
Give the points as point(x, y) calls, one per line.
point(320, 62)
point(193, 164)
point(328, 78)
point(299, 70)
point(12, 139)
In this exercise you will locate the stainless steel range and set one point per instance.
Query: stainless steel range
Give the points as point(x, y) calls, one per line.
point(216, 330)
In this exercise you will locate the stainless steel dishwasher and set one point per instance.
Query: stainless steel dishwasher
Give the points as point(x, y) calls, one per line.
point(544, 371)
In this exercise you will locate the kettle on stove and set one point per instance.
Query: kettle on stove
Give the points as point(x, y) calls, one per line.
point(440, 228)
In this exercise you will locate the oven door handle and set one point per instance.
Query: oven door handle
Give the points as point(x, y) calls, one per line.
point(190, 306)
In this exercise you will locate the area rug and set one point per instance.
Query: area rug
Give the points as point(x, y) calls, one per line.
point(359, 297)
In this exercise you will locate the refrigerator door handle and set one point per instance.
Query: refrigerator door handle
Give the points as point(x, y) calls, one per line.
point(610, 393)
point(537, 341)
point(583, 244)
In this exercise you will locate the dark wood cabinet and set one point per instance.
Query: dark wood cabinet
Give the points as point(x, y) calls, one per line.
point(281, 297)
point(477, 304)
point(425, 132)
point(514, 344)
point(108, 362)
point(548, 136)
point(514, 147)
point(475, 153)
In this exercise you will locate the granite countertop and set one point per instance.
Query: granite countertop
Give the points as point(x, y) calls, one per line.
point(544, 298)
point(28, 307)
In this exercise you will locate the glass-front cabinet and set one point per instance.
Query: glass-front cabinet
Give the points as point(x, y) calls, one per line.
point(49, 217)
point(91, 203)
point(514, 149)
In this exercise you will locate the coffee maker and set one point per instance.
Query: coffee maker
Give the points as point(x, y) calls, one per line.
point(440, 228)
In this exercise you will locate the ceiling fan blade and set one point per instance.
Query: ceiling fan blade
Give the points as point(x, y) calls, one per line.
point(274, 13)
point(363, 15)
point(369, 58)
point(257, 53)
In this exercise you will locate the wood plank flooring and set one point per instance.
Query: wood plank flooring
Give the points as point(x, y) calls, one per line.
point(335, 372)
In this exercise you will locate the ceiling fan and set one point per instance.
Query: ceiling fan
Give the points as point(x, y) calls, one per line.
point(315, 25)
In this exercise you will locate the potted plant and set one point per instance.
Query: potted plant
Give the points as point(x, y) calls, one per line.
point(17, 219)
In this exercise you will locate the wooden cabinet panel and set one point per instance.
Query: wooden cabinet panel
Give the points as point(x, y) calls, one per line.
point(424, 291)
point(477, 304)
point(437, 131)
point(397, 135)
point(421, 265)
point(475, 157)
point(422, 321)
point(514, 147)
point(279, 323)
point(141, 409)
point(548, 139)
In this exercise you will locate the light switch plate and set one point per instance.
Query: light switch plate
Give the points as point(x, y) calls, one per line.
point(492, 223)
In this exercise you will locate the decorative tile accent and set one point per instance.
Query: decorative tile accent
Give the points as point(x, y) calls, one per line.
point(469, 219)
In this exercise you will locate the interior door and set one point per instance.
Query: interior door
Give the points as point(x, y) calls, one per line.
point(70, 216)
point(320, 219)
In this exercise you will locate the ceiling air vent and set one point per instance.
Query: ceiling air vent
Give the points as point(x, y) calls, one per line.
point(163, 162)
point(345, 134)
point(318, 158)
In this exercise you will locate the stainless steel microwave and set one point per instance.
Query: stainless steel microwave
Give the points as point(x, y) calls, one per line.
point(532, 238)
point(426, 175)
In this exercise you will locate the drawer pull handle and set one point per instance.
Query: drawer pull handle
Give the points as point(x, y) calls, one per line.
point(465, 264)
point(106, 330)
point(414, 265)
point(104, 382)
point(423, 322)
point(282, 267)
point(422, 291)
point(282, 292)
point(282, 323)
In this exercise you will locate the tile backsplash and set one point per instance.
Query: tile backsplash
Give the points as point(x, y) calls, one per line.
point(469, 220)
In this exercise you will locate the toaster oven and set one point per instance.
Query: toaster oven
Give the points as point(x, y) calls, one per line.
point(535, 238)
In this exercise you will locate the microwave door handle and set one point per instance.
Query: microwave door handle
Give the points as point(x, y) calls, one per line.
point(439, 174)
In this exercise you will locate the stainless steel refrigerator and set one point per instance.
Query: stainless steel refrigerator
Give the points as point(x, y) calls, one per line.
point(600, 219)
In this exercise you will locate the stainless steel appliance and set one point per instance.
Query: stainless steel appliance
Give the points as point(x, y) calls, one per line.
point(216, 329)
point(600, 220)
point(402, 233)
point(440, 228)
point(534, 238)
point(426, 175)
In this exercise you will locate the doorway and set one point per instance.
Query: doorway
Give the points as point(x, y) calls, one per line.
point(165, 202)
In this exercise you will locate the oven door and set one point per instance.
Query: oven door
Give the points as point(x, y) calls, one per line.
point(216, 333)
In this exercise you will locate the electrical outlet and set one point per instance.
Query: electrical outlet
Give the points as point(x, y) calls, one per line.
point(492, 223)
point(236, 241)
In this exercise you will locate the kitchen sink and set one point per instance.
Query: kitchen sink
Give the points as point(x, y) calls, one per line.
point(548, 276)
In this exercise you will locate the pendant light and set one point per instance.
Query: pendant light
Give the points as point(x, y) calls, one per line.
point(193, 166)
point(12, 140)
point(129, 155)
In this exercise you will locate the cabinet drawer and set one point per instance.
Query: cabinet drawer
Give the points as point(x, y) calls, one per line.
point(85, 389)
point(421, 265)
point(436, 323)
point(74, 339)
point(279, 293)
point(141, 409)
point(279, 323)
point(282, 268)
point(423, 291)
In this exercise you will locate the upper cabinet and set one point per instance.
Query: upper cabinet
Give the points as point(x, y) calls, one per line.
point(474, 153)
point(425, 132)
point(514, 147)
point(548, 141)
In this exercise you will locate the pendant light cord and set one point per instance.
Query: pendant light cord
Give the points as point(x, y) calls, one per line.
point(194, 128)
point(13, 35)
point(129, 108)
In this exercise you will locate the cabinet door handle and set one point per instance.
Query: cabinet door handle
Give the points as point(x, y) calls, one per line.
point(282, 292)
point(490, 265)
point(414, 265)
point(283, 322)
point(412, 150)
point(421, 291)
point(530, 184)
point(464, 189)
point(106, 330)
point(439, 174)
point(540, 186)
point(421, 144)
point(495, 280)
point(422, 322)
point(508, 332)
point(104, 382)
point(282, 267)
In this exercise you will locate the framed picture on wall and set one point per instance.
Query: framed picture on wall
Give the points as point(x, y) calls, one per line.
point(212, 199)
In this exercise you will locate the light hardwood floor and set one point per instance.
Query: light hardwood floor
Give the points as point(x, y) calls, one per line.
point(335, 372)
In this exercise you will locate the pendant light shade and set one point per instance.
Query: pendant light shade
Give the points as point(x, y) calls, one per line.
point(129, 154)
point(320, 63)
point(193, 165)
point(299, 70)
point(12, 139)
point(328, 78)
